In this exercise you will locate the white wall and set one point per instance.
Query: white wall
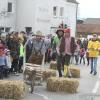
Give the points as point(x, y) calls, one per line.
point(72, 8)
point(69, 17)
point(38, 14)
point(43, 16)
point(25, 14)
point(35, 14)
point(8, 20)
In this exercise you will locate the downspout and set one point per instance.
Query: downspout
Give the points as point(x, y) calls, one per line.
point(76, 19)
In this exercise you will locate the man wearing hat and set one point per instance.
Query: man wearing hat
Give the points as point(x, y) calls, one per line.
point(39, 47)
point(56, 42)
point(67, 47)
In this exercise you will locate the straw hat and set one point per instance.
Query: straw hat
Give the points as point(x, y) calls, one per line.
point(39, 33)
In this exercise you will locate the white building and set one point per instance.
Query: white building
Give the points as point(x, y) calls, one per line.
point(7, 15)
point(38, 15)
point(45, 15)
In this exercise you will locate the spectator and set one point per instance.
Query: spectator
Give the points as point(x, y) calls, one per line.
point(21, 54)
point(2, 60)
point(93, 48)
point(14, 49)
point(87, 57)
point(77, 50)
point(82, 53)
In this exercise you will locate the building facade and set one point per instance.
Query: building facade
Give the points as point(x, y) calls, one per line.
point(7, 15)
point(87, 27)
point(38, 15)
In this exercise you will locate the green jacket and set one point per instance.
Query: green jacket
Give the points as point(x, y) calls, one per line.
point(21, 50)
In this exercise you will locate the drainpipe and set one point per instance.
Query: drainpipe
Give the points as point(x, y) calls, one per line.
point(76, 19)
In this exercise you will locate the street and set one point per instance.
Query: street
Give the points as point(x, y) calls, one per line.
point(89, 88)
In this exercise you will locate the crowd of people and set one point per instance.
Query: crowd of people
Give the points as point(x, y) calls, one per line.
point(73, 51)
point(62, 48)
point(11, 53)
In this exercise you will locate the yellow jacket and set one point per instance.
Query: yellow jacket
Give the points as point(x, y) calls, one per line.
point(93, 48)
point(99, 46)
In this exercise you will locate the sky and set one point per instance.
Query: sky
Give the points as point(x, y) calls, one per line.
point(89, 9)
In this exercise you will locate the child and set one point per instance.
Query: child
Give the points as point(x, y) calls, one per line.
point(2, 60)
point(8, 62)
point(76, 53)
point(87, 57)
point(82, 53)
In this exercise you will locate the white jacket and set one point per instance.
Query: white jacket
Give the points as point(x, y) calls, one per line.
point(8, 61)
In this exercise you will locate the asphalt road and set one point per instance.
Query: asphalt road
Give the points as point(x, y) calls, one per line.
point(89, 88)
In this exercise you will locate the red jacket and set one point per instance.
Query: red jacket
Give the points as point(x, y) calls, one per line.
point(2, 52)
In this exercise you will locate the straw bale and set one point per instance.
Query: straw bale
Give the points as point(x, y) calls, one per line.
point(43, 73)
point(75, 72)
point(30, 72)
point(69, 85)
point(10, 89)
point(47, 73)
point(53, 65)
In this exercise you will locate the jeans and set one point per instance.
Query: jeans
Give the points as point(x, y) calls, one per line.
point(94, 64)
point(82, 57)
point(1, 72)
point(76, 58)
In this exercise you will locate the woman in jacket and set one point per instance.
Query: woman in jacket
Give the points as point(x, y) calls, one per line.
point(93, 48)
point(67, 47)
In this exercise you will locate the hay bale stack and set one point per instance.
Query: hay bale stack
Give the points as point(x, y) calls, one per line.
point(53, 65)
point(47, 73)
point(75, 72)
point(12, 89)
point(29, 73)
point(69, 85)
point(40, 72)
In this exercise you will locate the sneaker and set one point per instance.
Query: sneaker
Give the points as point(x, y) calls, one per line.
point(91, 72)
point(95, 73)
point(16, 74)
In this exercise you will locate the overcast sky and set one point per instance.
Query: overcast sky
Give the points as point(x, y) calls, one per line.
point(89, 8)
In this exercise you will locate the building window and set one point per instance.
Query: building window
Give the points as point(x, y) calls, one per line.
point(7, 29)
point(54, 11)
point(61, 11)
point(1, 30)
point(28, 29)
point(9, 7)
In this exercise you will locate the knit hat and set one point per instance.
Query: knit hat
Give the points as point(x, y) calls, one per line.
point(67, 30)
point(59, 30)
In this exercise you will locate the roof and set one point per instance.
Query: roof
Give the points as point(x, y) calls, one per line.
point(88, 28)
point(72, 1)
point(92, 21)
